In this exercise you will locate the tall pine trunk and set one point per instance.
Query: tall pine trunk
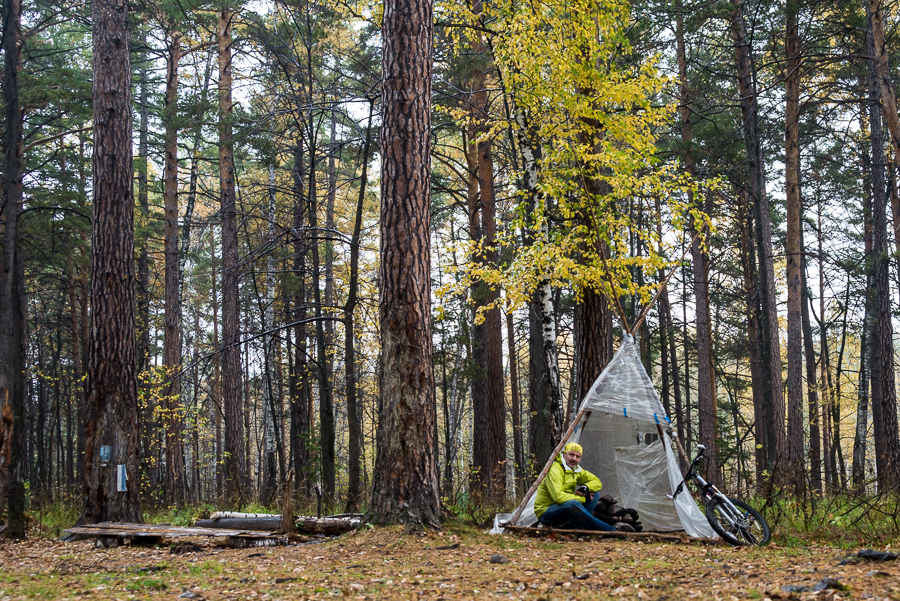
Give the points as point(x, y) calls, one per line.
point(354, 409)
point(488, 475)
point(13, 459)
point(111, 412)
point(235, 468)
point(518, 441)
point(142, 315)
point(326, 403)
point(773, 395)
point(794, 462)
point(706, 401)
point(328, 302)
point(272, 448)
point(406, 476)
point(172, 415)
point(884, 389)
point(300, 389)
point(860, 439)
point(812, 388)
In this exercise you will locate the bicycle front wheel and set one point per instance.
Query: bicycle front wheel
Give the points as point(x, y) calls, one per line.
point(743, 527)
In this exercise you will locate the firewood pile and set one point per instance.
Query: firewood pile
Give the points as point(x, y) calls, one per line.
point(623, 519)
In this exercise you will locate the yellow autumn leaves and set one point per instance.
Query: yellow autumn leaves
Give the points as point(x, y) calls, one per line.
point(592, 112)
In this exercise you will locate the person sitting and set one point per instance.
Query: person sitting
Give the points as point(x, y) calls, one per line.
point(568, 494)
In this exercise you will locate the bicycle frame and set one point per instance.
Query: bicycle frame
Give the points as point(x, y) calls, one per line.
point(707, 489)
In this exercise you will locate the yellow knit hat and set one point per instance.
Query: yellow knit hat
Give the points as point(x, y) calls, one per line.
point(573, 446)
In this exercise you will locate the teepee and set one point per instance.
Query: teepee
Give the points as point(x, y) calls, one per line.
point(622, 427)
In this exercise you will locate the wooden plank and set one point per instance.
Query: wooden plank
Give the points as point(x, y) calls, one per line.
point(642, 536)
point(144, 530)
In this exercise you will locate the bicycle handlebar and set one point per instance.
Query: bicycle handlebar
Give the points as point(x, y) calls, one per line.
point(690, 471)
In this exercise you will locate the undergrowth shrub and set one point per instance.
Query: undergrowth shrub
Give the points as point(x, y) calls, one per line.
point(835, 518)
point(50, 518)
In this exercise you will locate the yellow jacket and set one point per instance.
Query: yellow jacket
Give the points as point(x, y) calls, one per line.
point(559, 485)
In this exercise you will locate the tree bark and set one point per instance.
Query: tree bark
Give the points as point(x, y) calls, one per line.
point(706, 399)
point(751, 311)
point(884, 391)
point(300, 395)
point(235, 469)
point(518, 446)
point(272, 441)
point(143, 290)
point(593, 317)
point(172, 350)
point(406, 478)
point(326, 403)
point(796, 479)
point(812, 389)
point(773, 396)
point(825, 382)
point(111, 413)
point(838, 461)
point(595, 343)
point(326, 399)
point(354, 412)
point(858, 469)
point(13, 458)
point(486, 475)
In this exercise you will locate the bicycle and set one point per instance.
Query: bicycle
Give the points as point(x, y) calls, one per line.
point(732, 519)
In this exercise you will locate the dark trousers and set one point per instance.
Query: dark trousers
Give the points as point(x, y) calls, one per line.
point(574, 514)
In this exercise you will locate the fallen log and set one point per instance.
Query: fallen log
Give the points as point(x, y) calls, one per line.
point(219, 515)
point(642, 536)
point(330, 526)
point(273, 522)
point(268, 523)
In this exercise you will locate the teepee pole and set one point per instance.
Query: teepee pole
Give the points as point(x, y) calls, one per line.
point(543, 474)
point(673, 435)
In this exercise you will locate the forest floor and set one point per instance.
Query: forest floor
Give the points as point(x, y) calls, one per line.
point(455, 564)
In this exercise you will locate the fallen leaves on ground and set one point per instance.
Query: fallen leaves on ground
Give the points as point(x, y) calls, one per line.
point(456, 564)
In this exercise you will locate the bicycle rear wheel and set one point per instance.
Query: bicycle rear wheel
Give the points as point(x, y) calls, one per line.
point(744, 527)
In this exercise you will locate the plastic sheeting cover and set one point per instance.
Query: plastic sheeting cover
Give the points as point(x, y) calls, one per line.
point(624, 388)
point(692, 518)
point(622, 448)
point(644, 483)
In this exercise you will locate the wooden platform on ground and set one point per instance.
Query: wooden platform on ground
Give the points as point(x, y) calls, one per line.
point(109, 533)
point(652, 537)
